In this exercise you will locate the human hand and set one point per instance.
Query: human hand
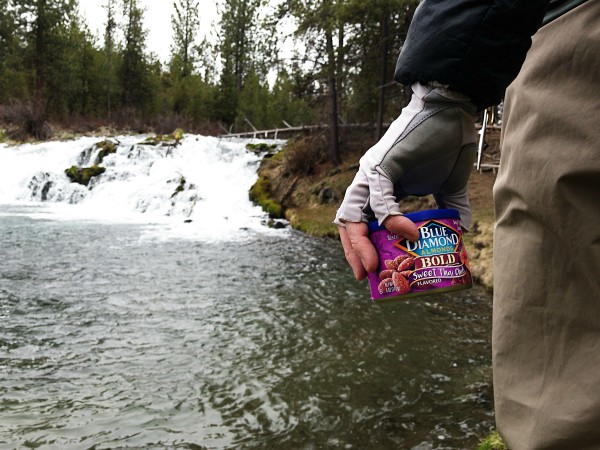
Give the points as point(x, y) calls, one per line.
point(359, 250)
point(429, 149)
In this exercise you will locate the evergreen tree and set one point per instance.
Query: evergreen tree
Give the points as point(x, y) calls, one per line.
point(46, 37)
point(321, 27)
point(240, 48)
point(82, 88)
point(289, 102)
point(110, 65)
point(134, 70)
point(12, 73)
point(185, 21)
point(207, 54)
point(377, 32)
point(254, 101)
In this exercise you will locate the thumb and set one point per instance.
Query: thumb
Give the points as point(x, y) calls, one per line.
point(402, 226)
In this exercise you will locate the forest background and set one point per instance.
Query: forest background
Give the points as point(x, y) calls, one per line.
point(54, 71)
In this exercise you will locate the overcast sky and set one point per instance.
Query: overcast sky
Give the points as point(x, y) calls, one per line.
point(157, 21)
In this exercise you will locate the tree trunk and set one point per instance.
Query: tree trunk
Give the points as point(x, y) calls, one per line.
point(334, 146)
point(382, 76)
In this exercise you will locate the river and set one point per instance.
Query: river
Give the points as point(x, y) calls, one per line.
point(125, 325)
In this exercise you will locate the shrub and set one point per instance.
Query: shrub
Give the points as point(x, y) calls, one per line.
point(301, 156)
point(168, 122)
point(27, 120)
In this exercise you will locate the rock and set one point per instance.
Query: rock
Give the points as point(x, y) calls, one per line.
point(177, 134)
point(327, 196)
point(40, 185)
point(276, 224)
point(180, 187)
point(260, 194)
point(85, 155)
point(106, 148)
point(172, 139)
point(83, 175)
point(261, 147)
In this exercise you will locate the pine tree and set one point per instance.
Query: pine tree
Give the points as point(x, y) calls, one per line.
point(12, 74)
point(185, 21)
point(320, 26)
point(378, 29)
point(110, 57)
point(81, 84)
point(240, 49)
point(45, 35)
point(133, 72)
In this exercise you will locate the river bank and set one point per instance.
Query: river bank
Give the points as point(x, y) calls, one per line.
point(294, 184)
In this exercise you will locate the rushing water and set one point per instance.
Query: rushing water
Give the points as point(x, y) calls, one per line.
point(123, 332)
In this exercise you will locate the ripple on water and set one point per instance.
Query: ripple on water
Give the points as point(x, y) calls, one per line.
point(113, 341)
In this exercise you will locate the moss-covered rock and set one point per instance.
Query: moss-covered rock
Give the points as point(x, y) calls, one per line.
point(172, 139)
point(260, 193)
point(177, 134)
point(106, 148)
point(261, 147)
point(83, 175)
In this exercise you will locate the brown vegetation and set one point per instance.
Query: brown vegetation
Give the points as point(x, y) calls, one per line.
point(25, 120)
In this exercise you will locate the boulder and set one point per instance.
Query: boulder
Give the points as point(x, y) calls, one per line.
point(262, 147)
point(83, 175)
point(172, 139)
point(106, 148)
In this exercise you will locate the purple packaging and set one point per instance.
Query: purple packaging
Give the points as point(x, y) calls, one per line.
point(436, 263)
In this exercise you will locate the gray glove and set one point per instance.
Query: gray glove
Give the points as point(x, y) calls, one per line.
point(429, 149)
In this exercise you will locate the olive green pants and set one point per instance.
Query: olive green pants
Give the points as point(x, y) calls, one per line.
point(546, 322)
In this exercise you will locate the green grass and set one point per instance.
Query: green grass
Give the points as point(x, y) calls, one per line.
point(315, 221)
point(492, 442)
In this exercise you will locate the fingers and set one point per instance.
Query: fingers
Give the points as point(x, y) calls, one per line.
point(358, 249)
point(351, 256)
point(402, 226)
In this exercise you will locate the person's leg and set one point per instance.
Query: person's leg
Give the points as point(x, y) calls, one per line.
point(546, 322)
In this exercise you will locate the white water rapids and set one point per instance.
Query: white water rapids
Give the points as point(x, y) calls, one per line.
point(140, 185)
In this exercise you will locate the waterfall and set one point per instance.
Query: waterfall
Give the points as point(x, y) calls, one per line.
point(197, 188)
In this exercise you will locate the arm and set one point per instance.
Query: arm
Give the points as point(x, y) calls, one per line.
point(468, 48)
point(476, 47)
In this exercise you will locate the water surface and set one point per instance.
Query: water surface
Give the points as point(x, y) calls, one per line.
point(125, 325)
point(113, 339)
